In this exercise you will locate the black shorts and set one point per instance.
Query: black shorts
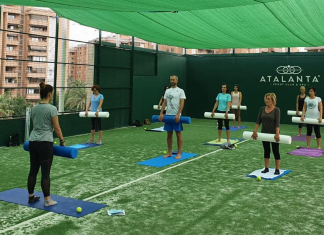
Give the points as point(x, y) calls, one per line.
point(96, 122)
point(40, 151)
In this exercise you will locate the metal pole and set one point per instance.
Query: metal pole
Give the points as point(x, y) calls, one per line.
point(131, 81)
point(56, 55)
point(98, 60)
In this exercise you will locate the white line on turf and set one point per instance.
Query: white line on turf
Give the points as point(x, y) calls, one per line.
point(116, 188)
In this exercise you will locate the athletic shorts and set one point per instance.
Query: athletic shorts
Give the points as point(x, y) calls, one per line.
point(173, 126)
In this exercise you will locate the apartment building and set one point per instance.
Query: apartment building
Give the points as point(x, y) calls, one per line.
point(27, 43)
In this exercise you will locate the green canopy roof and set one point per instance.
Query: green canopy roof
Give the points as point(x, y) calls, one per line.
point(205, 24)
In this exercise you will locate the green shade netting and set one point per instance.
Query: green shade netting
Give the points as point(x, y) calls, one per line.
point(202, 24)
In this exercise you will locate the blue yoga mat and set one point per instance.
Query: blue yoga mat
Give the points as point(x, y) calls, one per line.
point(268, 176)
point(61, 151)
point(84, 146)
point(161, 161)
point(65, 206)
point(170, 118)
point(235, 128)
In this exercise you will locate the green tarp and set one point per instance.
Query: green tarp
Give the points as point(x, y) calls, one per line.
point(208, 24)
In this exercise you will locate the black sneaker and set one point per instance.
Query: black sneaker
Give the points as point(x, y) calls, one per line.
point(33, 199)
point(277, 172)
point(265, 170)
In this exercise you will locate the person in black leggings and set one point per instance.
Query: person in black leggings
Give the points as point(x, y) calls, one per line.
point(223, 103)
point(313, 109)
point(45, 119)
point(269, 117)
point(299, 106)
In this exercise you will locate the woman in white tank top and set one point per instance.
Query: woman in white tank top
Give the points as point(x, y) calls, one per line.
point(237, 100)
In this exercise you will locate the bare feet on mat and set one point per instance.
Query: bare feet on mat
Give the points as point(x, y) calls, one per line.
point(307, 146)
point(319, 148)
point(299, 135)
point(239, 127)
point(233, 126)
point(178, 156)
point(168, 155)
point(219, 140)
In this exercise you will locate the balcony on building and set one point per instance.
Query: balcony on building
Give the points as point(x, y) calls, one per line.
point(32, 81)
point(38, 30)
point(11, 71)
point(36, 72)
point(12, 50)
point(12, 39)
point(10, 82)
point(13, 27)
point(32, 93)
point(40, 20)
point(13, 18)
point(37, 50)
point(37, 41)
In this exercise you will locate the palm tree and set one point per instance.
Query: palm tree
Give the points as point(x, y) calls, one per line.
point(76, 96)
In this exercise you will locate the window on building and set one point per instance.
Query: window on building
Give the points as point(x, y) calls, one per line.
point(11, 27)
point(37, 49)
point(38, 39)
point(32, 91)
point(37, 58)
point(10, 57)
point(34, 28)
point(10, 80)
point(39, 18)
point(11, 16)
point(10, 38)
point(36, 70)
point(10, 48)
point(36, 80)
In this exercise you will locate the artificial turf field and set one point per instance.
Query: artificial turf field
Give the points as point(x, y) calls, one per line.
point(206, 194)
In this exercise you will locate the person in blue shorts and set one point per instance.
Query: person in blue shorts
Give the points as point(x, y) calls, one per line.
point(95, 103)
point(174, 98)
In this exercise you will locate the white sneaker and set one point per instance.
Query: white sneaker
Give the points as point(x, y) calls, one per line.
point(49, 203)
point(99, 142)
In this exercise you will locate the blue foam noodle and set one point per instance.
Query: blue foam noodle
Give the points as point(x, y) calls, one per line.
point(60, 151)
point(170, 118)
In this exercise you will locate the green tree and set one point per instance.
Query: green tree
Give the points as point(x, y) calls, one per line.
point(76, 95)
point(13, 106)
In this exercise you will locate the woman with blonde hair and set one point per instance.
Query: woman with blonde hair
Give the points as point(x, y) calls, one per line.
point(269, 117)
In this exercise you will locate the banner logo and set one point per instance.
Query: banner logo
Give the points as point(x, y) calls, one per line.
point(289, 69)
point(290, 76)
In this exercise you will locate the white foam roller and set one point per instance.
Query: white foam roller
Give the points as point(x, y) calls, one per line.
point(242, 107)
point(284, 139)
point(155, 107)
point(93, 114)
point(219, 115)
point(306, 121)
point(293, 113)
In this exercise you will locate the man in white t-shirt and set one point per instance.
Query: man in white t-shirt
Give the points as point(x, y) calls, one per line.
point(173, 98)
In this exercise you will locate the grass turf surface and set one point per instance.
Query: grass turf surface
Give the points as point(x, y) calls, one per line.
point(210, 195)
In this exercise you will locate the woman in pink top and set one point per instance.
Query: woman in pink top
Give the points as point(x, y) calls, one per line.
point(236, 100)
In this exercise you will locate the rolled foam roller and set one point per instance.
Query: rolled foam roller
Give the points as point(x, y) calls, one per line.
point(284, 139)
point(60, 151)
point(306, 121)
point(242, 107)
point(170, 119)
point(219, 115)
point(93, 114)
